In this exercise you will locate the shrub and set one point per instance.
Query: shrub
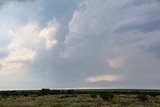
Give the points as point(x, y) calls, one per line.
point(93, 96)
point(45, 91)
point(107, 96)
point(153, 94)
point(70, 91)
point(142, 97)
point(74, 95)
point(66, 96)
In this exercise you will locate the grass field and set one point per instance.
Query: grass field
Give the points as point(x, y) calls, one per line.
point(79, 99)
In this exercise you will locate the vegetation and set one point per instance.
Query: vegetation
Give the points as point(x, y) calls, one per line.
point(142, 97)
point(107, 96)
point(93, 96)
point(79, 98)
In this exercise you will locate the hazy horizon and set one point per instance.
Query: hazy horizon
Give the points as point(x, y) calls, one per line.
point(79, 44)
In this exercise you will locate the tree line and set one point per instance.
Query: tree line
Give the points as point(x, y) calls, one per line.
point(46, 91)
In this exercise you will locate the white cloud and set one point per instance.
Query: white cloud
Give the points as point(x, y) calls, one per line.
point(49, 33)
point(105, 77)
point(25, 41)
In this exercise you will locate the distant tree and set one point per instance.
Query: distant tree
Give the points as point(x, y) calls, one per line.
point(70, 91)
point(45, 91)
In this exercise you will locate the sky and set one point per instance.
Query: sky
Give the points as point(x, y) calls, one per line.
point(79, 44)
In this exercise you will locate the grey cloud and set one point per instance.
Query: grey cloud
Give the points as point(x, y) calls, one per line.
point(91, 37)
point(3, 2)
point(92, 41)
point(149, 26)
point(154, 48)
point(94, 36)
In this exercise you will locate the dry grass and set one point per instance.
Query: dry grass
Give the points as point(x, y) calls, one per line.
point(81, 100)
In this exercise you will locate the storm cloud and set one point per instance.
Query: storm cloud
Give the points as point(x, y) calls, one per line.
point(80, 44)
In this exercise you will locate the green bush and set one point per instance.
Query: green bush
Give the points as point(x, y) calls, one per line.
point(70, 91)
point(142, 97)
point(45, 91)
point(65, 96)
point(107, 96)
point(93, 96)
point(153, 94)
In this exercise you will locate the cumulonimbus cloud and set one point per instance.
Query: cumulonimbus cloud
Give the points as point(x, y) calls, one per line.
point(72, 46)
